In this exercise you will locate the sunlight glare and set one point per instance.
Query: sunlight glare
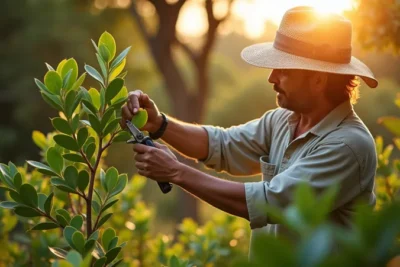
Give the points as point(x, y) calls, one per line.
point(192, 20)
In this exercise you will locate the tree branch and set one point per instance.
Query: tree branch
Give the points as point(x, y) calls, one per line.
point(140, 21)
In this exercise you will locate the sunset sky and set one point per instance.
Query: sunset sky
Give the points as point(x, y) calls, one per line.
point(253, 12)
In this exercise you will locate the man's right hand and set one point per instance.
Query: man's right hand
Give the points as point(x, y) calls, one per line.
point(137, 99)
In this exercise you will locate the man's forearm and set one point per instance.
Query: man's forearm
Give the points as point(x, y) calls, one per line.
point(189, 139)
point(226, 195)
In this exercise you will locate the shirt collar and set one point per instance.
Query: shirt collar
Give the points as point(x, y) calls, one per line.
point(329, 122)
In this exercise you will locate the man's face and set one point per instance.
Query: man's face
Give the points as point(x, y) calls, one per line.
point(293, 89)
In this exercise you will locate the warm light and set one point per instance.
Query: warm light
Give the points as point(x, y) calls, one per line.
point(130, 225)
point(192, 20)
point(233, 243)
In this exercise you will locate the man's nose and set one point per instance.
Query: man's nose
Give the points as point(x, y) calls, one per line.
point(273, 76)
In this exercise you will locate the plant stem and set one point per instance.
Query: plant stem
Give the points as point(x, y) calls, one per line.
point(91, 188)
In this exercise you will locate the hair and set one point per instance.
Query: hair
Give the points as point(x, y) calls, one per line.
point(342, 87)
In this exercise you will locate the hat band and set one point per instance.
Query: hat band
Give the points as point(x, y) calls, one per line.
point(323, 52)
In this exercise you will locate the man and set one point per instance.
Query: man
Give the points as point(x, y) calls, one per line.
point(314, 136)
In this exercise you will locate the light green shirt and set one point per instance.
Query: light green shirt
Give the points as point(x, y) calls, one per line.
point(339, 149)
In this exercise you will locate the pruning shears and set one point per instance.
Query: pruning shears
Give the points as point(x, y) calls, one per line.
point(140, 138)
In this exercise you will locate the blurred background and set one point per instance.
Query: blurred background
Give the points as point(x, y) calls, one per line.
point(186, 56)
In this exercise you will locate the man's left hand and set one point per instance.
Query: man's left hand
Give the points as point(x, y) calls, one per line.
point(157, 163)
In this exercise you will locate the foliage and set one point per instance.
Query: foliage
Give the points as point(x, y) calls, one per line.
point(87, 125)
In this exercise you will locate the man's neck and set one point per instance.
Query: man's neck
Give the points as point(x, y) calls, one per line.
point(307, 120)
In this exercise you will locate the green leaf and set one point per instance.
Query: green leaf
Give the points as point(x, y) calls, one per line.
point(53, 82)
point(49, 67)
point(94, 235)
point(29, 195)
point(13, 169)
point(107, 206)
point(103, 179)
point(61, 253)
point(62, 185)
point(102, 98)
point(9, 204)
point(45, 226)
point(107, 236)
point(119, 58)
point(82, 136)
point(113, 243)
point(113, 89)
point(70, 64)
point(122, 180)
point(71, 103)
point(42, 167)
point(96, 206)
point(16, 197)
point(117, 70)
point(17, 181)
point(95, 97)
point(95, 124)
point(60, 66)
point(49, 204)
point(174, 262)
point(94, 73)
point(104, 53)
point(89, 245)
point(61, 220)
point(100, 262)
point(71, 176)
point(95, 45)
point(41, 200)
point(61, 125)
point(92, 109)
point(66, 79)
point(102, 65)
point(108, 40)
point(104, 219)
point(68, 232)
point(79, 82)
point(66, 142)
point(111, 127)
point(118, 262)
point(111, 179)
point(26, 212)
point(391, 123)
point(122, 137)
point(75, 258)
point(112, 254)
point(79, 241)
point(121, 96)
point(77, 222)
point(64, 213)
point(106, 117)
point(42, 87)
point(54, 159)
point(83, 180)
point(52, 100)
point(316, 248)
point(91, 148)
point(75, 123)
point(122, 75)
point(39, 139)
point(74, 157)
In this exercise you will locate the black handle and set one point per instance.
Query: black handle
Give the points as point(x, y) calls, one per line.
point(164, 186)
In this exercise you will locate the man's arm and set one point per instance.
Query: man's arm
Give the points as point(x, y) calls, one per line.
point(225, 195)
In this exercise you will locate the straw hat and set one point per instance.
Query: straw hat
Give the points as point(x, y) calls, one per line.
point(310, 41)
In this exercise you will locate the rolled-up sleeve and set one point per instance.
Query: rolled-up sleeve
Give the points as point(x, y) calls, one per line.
point(328, 164)
point(237, 149)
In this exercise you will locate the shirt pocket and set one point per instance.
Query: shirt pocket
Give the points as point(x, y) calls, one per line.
point(267, 169)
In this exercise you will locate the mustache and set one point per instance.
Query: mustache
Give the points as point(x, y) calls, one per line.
point(278, 89)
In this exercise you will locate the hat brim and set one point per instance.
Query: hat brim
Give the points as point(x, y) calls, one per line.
point(264, 55)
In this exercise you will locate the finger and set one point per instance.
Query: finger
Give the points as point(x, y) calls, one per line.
point(134, 100)
point(144, 173)
point(139, 157)
point(139, 148)
point(126, 115)
point(141, 166)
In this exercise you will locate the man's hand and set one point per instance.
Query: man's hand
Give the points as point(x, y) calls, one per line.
point(157, 163)
point(137, 99)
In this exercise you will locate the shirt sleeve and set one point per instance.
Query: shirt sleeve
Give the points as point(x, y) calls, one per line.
point(329, 164)
point(237, 149)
